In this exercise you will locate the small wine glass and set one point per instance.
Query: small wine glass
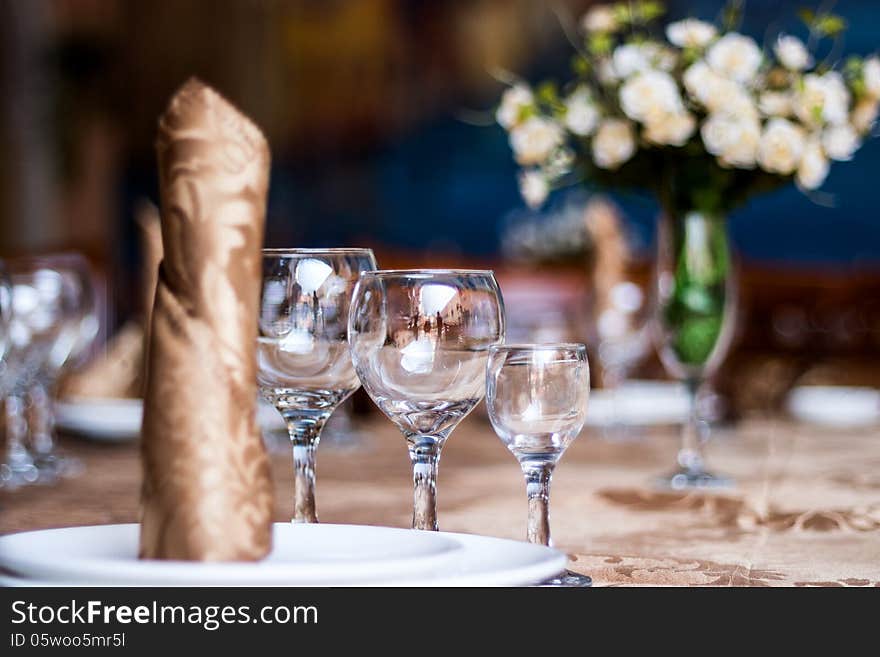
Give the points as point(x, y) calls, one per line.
point(72, 344)
point(537, 399)
point(37, 315)
point(420, 340)
point(304, 368)
point(694, 318)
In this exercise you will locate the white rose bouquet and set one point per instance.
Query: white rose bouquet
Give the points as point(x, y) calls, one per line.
point(696, 113)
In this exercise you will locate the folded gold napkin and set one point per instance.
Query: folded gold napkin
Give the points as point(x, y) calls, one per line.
point(207, 493)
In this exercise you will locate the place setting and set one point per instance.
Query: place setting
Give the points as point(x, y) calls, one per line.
point(317, 364)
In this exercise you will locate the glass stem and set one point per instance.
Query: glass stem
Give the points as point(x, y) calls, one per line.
point(17, 457)
point(538, 477)
point(305, 433)
point(690, 456)
point(424, 452)
point(42, 430)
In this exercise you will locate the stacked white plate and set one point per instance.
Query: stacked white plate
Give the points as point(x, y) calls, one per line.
point(843, 407)
point(639, 403)
point(302, 555)
point(119, 420)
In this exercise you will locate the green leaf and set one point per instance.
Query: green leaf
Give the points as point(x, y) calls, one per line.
point(829, 25)
point(649, 10)
point(600, 44)
point(807, 16)
point(580, 65)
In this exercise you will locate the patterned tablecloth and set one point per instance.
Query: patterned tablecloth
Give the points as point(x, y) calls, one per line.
point(806, 510)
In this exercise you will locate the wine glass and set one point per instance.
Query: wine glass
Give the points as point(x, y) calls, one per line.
point(304, 368)
point(420, 340)
point(696, 292)
point(537, 399)
point(37, 312)
point(73, 342)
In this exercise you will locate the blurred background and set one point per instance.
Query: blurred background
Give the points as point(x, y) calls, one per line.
point(379, 114)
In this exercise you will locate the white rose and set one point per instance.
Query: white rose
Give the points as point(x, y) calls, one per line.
point(533, 187)
point(650, 94)
point(613, 144)
point(792, 53)
point(871, 76)
point(605, 71)
point(781, 147)
point(690, 33)
point(628, 59)
point(735, 56)
point(775, 103)
point(823, 99)
point(671, 129)
point(840, 142)
point(600, 18)
point(814, 166)
point(734, 140)
point(513, 101)
point(864, 114)
point(659, 56)
point(581, 115)
point(717, 93)
point(534, 140)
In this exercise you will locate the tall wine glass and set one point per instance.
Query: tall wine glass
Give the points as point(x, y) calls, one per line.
point(420, 340)
point(78, 330)
point(537, 399)
point(38, 310)
point(695, 286)
point(304, 366)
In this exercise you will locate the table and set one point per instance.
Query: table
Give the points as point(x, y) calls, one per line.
point(806, 510)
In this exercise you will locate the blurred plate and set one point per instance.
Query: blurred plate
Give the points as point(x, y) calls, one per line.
point(835, 406)
point(119, 420)
point(302, 555)
point(106, 420)
point(639, 403)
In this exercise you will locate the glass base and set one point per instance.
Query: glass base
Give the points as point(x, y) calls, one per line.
point(53, 467)
point(688, 479)
point(567, 578)
point(16, 477)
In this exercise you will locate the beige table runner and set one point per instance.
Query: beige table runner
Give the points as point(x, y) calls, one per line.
point(806, 510)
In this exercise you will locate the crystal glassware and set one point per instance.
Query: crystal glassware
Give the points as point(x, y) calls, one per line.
point(73, 342)
point(36, 319)
point(420, 340)
point(537, 397)
point(695, 287)
point(304, 366)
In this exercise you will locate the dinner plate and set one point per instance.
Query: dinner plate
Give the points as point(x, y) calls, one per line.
point(835, 406)
point(639, 403)
point(103, 419)
point(119, 420)
point(302, 555)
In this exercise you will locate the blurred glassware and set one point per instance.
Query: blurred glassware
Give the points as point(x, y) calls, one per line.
point(537, 399)
point(623, 340)
point(420, 341)
point(69, 350)
point(543, 306)
point(37, 318)
point(304, 368)
point(558, 235)
point(696, 296)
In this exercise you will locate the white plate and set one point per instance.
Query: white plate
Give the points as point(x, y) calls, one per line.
point(835, 406)
point(639, 403)
point(119, 420)
point(107, 420)
point(303, 555)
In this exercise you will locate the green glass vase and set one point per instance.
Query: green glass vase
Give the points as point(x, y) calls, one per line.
point(696, 301)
